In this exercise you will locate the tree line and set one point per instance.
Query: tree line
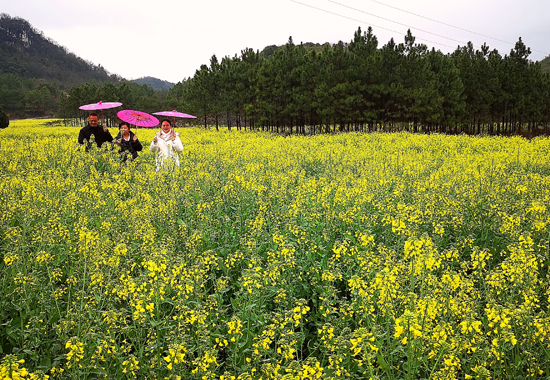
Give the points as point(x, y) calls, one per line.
point(28, 97)
point(360, 87)
point(23, 97)
point(131, 95)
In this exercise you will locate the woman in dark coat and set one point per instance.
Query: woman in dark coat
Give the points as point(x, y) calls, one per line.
point(127, 141)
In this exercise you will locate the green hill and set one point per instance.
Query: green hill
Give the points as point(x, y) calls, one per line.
point(35, 71)
point(154, 83)
point(26, 52)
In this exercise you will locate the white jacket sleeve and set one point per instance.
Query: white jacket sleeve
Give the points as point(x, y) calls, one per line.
point(178, 145)
point(153, 147)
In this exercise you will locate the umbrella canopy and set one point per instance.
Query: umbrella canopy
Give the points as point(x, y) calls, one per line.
point(141, 119)
point(100, 106)
point(174, 113)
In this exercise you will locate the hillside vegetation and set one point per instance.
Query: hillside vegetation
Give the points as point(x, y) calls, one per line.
point(26, 52)
point(154, 83)
point(36, 73)
point(268, 51)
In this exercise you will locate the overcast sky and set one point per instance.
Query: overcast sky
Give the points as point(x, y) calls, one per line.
point(170, 39)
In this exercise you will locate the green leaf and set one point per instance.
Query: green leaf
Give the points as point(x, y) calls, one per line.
point(383, 363)
point(45, 363)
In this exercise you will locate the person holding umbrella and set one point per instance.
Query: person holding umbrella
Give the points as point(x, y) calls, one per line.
point(166, 144)
point(93, 133)
point(128, 142)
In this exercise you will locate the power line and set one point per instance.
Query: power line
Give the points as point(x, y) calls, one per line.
point(440, 22)
point(364, 22)
point(396, 22)
point(431, 19)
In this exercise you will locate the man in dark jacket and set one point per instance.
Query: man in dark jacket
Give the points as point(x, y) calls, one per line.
point(92, 132)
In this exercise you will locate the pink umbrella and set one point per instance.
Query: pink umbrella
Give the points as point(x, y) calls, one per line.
point(100, 106)
point(138, 118)
point(175, 114)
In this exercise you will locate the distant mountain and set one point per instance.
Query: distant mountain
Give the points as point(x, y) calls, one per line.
point(155, 83)
point(26, 52)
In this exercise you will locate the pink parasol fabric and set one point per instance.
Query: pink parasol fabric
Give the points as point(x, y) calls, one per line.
point(100, 105)
point(141, 119)
point(175, 113)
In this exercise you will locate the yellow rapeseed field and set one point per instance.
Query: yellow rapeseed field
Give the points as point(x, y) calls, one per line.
point(360, 256)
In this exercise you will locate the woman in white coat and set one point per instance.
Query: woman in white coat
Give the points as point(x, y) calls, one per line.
point(166, 145)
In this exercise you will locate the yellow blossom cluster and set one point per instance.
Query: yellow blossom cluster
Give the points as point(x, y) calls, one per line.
point(268, 257)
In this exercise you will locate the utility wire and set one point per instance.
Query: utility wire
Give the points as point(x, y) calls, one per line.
point(396, 22)
point(431, 19)
point(439, 22)
point(364, 22)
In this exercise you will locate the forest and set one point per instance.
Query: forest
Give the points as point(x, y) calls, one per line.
point(312, 88)
point(355, 86)
point(361, 87)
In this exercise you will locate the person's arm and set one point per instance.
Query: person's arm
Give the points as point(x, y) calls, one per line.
point(108, 136)
point(155, 143)
point(154, 146)
point(136, 144)
point(81, 136)
point(178, 145)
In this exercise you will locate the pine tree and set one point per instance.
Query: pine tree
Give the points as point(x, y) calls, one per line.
point(4, 120)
